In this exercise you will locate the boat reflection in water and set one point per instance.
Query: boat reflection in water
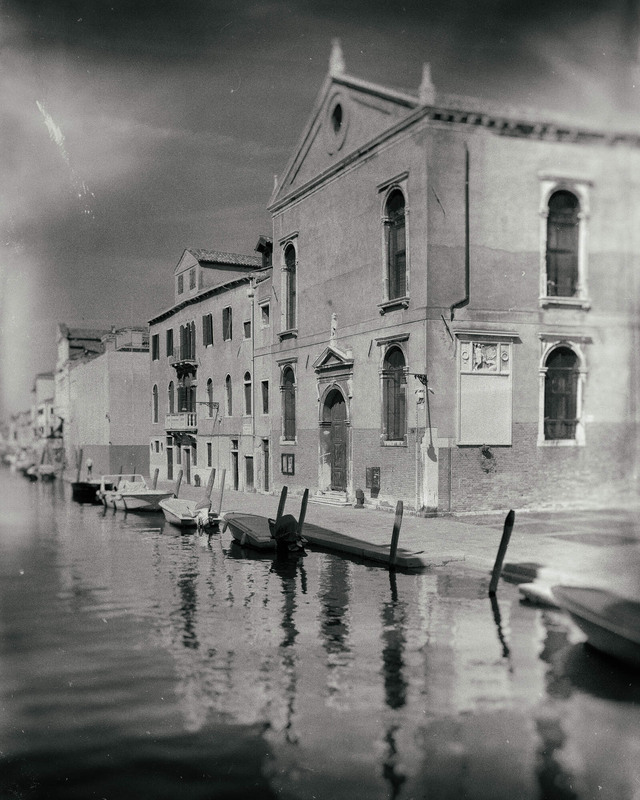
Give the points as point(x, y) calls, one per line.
point(141, 663)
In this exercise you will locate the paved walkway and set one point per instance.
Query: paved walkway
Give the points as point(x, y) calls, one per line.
point(598, 546)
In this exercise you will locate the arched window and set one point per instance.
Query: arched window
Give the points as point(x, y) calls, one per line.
point(210, 397)
point(561, 394)
point(228, 393)
point(155, 404)
point(396, 245)
point(291, 286)
point(171, 398)
point(247, 393)
point(394, 404)
point(562, 244)
point(288, 404)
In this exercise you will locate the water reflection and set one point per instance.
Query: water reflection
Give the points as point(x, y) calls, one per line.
point(394, 613)
point(131, 653)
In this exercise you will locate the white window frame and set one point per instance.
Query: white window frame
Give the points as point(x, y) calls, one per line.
point(265, 304)
point(400, 182)
point(580, 187)
point(548, 344)
point(292, 363)
point(285, 331)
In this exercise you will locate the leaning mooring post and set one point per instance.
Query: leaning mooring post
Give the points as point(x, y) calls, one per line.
point(504, 543)
point(396, 534)
point(283, 500)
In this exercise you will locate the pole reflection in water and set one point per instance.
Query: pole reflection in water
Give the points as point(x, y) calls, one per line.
point(287, 569)
point(394, 614)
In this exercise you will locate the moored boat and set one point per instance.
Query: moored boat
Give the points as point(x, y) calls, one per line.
point(249, 530)
point(87, 491)
point(194, 513)
point(131, 493)
point(610, 621)
point(283, 533)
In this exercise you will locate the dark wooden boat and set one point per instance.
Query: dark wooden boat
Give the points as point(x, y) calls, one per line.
point(611, 622)
point(262, 533)
point(249, 530)
point(86, 491)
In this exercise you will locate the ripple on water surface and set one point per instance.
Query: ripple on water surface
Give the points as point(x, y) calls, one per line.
point(138, 663)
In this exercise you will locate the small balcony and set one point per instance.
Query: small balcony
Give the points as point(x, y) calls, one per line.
point(184, 359)
point(185, 421)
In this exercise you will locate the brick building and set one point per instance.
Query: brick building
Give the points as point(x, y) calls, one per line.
point(455, 302)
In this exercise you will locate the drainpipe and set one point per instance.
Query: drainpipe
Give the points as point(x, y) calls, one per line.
point(251, 293)
point(465, 299)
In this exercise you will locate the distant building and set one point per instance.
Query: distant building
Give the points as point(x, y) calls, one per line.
point(109, 405)
point(75, 346)
point(42, 405)
point(456, 298)
point(204, 377)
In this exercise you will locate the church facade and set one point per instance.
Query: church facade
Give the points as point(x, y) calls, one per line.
point(455, 303)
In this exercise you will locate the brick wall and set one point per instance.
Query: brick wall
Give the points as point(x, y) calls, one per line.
point(526, 475)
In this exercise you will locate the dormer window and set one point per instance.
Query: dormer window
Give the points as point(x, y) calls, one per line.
point(180, 284)
point(192, 278)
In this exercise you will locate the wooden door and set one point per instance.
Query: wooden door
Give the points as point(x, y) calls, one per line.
point(187, 464)
point(265, 455)
point(338, 446)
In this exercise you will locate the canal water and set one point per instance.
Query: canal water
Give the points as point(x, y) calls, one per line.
point(138, 662)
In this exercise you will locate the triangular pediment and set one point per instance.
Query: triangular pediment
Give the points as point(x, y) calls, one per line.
point(349, 113)
point(187, 260)
point(332, 359)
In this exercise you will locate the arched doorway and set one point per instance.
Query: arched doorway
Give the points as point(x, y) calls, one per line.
point(334, 423)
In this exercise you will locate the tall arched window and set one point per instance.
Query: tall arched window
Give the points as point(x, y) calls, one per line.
point(562, 244)
point(561, 394)
point(171, 397)
point(247, 393)
point(228, 393)
point(394, 403)
point(210, 397)
point(154, 412)
point(291, 286)
point(288, 404)
point(396, 245)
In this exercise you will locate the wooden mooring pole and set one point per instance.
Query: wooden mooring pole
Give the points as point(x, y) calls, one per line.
point(396, 534)
point(504, 543)
point(283, 500)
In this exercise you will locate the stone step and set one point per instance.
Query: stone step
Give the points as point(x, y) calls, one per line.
point(330, 499)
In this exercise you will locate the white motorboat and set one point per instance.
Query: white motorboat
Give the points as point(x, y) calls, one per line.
point(610, 621)
point(131, 493)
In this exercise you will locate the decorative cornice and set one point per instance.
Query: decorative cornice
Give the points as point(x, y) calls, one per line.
point(499, 121)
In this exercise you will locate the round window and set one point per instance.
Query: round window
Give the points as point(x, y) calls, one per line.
point(336, 123)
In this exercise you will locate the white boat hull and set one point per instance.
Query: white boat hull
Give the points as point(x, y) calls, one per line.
point(610, 622)
point(181, 513)
point(139, 501)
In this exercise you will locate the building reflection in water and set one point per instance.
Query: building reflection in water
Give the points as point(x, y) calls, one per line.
point(334, 596)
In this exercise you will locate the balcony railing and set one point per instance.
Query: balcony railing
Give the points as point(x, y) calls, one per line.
point(183, 355)
point(185, 421)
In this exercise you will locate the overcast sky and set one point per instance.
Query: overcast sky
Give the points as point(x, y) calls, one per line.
point(132, 129)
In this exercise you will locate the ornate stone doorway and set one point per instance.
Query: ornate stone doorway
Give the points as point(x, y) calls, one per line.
point(335, 440)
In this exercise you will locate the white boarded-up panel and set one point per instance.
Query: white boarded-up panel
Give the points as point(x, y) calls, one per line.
point(485, 409)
